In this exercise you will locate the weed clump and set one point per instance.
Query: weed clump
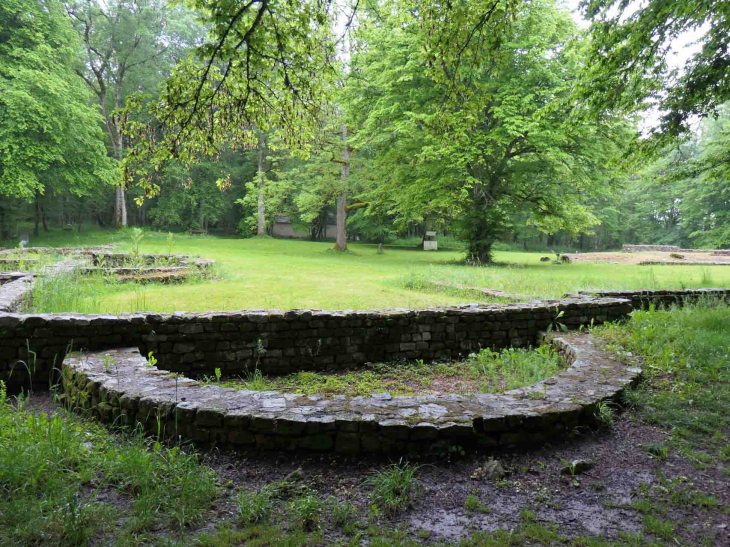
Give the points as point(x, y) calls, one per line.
point(394, 488)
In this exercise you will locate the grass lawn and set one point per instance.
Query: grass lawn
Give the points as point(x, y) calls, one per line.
point(285, 274)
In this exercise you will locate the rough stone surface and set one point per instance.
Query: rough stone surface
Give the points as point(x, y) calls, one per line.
point(642, 299)
point(671, 249)
point(683, 263)
point(279, 342)
point(15, 287)
point(120, 385)
point(494, 293)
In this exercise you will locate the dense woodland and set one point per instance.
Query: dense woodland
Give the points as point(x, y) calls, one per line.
point(495, 121)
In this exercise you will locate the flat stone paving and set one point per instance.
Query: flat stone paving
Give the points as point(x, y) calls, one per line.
point(120, 386)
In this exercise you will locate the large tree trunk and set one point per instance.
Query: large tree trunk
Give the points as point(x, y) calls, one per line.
point(261, 220)
point(484, 226)
point(3, 225)
point(341, 244)
point(481, 239)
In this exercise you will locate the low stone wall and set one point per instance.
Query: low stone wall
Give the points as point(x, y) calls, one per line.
point(119, 387)
point(15, 288)
point(281, 342)
point(671, 249)
point(682, 263)
point(61, 250)
point(642, 299)
point(650, 248)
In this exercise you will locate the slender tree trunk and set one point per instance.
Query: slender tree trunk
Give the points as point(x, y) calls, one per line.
point(120, 207)
point(261, 220)
point(341, 244)
point(202, 213)
point(37, 213)
point(120, 217)
point(3, 225)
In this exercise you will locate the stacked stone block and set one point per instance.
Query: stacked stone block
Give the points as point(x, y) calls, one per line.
point(279, 342)
point(643, 299)
point(128, 392)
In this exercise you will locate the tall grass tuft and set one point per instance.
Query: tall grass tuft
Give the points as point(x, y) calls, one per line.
point(514, 367)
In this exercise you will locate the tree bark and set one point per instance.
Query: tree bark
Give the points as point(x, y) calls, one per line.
point(202, 213)
point(120, 207)
point(480, 244)
point(261, 220)
point(341, 244)
point(3, 224)
point(37, 213)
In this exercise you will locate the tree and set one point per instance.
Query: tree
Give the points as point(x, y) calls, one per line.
point(123, 39)
point(705, 185)
point(627, 65)
point(503, 138)
point(49, 134)
point(267, 65)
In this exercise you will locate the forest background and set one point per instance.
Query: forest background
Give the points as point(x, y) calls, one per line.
point(531, 139)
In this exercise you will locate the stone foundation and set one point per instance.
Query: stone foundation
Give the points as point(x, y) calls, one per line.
point(671, 249)
point(14, 288)
point(642, 299)
point(120, 387)
point(279, 342)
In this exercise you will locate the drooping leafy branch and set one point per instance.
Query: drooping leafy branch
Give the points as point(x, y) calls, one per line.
point(627, 67)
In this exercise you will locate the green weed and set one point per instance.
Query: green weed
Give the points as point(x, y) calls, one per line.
point(394, 487)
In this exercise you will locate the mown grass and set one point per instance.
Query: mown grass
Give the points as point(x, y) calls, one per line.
point(285, 274)
point(483, 372)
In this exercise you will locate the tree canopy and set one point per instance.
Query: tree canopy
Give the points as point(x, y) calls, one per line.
point(49, 133)
point(627, 66)
point(478, 155)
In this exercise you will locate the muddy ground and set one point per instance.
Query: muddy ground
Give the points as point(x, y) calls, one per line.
point(597, 502)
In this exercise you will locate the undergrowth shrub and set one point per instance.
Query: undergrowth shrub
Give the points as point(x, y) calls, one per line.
point(514, 367)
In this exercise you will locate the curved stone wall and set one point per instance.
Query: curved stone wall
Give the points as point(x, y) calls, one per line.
point(281, 342)
point(119, 386)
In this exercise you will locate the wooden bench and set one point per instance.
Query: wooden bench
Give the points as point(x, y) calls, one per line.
point(204, 232)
